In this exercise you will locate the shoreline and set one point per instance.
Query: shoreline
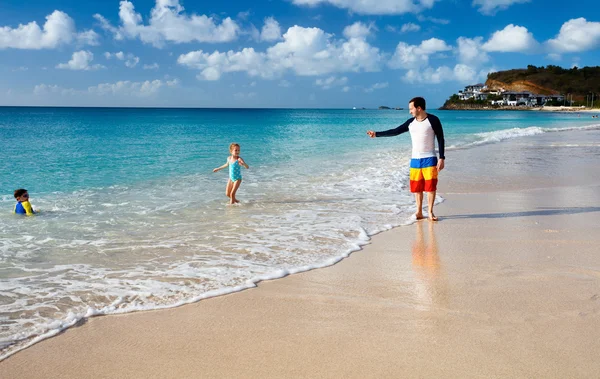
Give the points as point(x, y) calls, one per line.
point(414, 295)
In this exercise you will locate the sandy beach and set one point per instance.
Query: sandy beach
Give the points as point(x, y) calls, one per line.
point(506, 284)
point(594, 111)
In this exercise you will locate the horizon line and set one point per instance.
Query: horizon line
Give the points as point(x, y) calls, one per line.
point(178, 107)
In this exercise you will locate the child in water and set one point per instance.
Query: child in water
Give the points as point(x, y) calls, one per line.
point(23, 207)
point(234, 161)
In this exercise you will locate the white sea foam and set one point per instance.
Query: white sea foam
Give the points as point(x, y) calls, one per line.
point(505, 134)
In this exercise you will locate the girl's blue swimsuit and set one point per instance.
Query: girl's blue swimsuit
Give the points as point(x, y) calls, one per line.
point(235, 172)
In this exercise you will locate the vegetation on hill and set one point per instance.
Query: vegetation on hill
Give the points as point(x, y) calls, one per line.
point(577, 81)
point(576, 84)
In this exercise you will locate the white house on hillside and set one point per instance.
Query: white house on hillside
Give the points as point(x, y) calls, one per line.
point(474, 91)
point(527, 98)
point(481, 92)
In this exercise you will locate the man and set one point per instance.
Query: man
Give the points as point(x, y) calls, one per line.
point(424, 165)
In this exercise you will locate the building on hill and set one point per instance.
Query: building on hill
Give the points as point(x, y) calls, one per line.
point(503, 97)
point(476, 87)
point(527, 98)
point(474, 91)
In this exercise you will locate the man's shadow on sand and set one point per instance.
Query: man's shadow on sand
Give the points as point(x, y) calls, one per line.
point(540, 212)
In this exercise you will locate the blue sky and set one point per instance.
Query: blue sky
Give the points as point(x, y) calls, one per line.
point(278, 53)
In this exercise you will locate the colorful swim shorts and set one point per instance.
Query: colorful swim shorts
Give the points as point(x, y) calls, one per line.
point(423, 174)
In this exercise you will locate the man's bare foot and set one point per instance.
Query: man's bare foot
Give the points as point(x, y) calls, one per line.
point(432, 217)
point(418, 216)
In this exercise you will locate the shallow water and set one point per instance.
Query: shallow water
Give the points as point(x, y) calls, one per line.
point(133, 218)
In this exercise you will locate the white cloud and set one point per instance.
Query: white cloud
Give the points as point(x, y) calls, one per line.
point(410, 27)
point(461, 73)
point(88, 37)
point(120, 93)
point(212, 65)
point(168, 23)
point(142, 89)
point(415, 56)
point(58, 29)
point(440, 21)
point(244, 15)
point(106, 25)
point(429, 75)
point(490, 7)
point(153, 66)
point(270, 30)
point(470, 50)
point(512, 38)
point(284, 83)
point(304, 51)
point(254, 33)
point(331, 82)
point(433, 45)
point(44, 89)
point(376, 86)
point(464, 73)
point(576, 35)
point(358, 30)
point(379, 7)
point(311, 51)
point(130, 60)
point(80, 60)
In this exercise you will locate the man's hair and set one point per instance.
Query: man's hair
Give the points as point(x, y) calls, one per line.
point(233, 145)
point(418, 102)
point(20, 192)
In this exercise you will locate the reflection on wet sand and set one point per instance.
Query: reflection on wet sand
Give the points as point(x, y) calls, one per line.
point(430, 284)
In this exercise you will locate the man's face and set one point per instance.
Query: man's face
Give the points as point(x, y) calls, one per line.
point(413, 111)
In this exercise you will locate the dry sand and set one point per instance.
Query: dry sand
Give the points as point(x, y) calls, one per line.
point(506, 284)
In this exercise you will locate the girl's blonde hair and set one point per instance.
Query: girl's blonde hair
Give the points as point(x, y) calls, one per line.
point(233, 145)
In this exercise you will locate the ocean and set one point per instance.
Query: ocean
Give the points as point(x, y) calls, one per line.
point(133, 218)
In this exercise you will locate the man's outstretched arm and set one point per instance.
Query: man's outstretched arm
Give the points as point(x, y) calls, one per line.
point(392, 132)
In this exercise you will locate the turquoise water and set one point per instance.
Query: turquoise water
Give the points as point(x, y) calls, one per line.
point(133, 218)
point(65, 149)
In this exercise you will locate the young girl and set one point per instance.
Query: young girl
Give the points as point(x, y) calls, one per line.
point(234, 161)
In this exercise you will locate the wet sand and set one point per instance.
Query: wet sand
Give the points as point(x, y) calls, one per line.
point(506, 284)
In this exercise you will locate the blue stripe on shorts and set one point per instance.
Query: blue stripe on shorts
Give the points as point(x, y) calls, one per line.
point(423, 162)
